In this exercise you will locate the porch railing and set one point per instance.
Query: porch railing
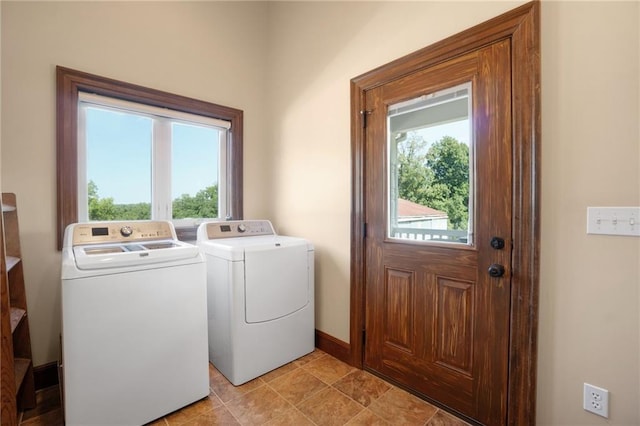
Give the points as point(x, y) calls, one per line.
point(422, 234)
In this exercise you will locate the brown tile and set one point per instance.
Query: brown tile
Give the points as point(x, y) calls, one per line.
point(445, 419)
point(213, 371)
point(362, 387)
point(291, 417)
point(399, 407)
point(316, 354)
point(193, 410)
point(368, 418)
point(329, 407)
point(218, 416)
point(227, 392)
point(258, 406)
point(287, 368)
point(328, 369)
point(297, 386)
point(47, 399)
point(50, 418)
point(259, 403)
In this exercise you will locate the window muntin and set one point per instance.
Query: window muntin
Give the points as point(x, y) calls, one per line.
point(430, 167)
point(139, 162)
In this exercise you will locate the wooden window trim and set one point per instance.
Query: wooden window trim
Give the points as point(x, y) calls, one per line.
point(69, 82)
point(522, 27)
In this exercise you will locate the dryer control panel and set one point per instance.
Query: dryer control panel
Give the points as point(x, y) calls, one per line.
point(239, 228)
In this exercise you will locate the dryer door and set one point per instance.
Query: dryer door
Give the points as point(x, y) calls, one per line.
point(276, 280)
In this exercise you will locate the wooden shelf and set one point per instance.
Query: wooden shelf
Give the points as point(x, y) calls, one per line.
point(11, 262)
point(18, 386)
point(17, 315)
point(21, 368)
point(7, 208)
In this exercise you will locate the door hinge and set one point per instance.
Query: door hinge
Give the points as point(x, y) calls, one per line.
point(364, 229)
point(364, 113)
point(364, 338)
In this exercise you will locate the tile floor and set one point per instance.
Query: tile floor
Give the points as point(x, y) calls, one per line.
point(316, 389)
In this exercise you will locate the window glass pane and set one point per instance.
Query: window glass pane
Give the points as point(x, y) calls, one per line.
point(195, 154)
point(118, 148)
point(430, 167)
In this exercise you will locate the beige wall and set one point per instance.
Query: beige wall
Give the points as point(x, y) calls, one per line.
point(290, 72)
point(589, 284)
point(207, 50)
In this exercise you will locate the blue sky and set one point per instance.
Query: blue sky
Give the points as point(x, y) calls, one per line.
point(119, 156)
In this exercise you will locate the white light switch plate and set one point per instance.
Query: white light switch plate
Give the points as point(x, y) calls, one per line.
point(613, 220)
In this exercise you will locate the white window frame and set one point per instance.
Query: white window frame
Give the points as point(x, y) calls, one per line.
point(161, 198)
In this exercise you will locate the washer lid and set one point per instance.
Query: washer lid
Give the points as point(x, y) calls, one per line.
point(103, 256)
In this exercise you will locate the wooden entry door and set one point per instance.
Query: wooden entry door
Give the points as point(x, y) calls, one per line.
point(489, 391)
point(437, 300)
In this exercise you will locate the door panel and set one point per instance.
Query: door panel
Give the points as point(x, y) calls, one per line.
point(454, 324)
point(436, 321)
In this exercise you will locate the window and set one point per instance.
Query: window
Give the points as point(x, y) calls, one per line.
point(139, 162)
point(129, 152)
point(430, 154)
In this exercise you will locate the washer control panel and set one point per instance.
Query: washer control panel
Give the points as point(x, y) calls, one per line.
point(239, 228)
point(118, 232)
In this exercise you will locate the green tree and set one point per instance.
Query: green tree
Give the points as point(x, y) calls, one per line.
point(413, 176)
point(203, 204)
point(136, 211)
point(437, 177)
point(105, 209)
point(448, 160)
point(99, 208)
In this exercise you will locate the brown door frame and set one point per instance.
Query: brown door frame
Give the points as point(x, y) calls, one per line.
point(522, 27)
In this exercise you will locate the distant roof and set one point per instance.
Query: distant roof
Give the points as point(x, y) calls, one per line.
point(410, 209)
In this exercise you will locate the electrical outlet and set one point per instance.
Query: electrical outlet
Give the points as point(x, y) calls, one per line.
point(596, 400)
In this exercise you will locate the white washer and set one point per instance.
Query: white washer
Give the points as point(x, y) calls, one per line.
point(261, 297)
point(134, 323)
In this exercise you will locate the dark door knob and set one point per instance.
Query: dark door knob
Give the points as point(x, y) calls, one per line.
point(497, 243)
point(496, 270)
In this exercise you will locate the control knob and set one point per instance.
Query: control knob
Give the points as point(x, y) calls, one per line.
point(126, 231)
point(242, 228)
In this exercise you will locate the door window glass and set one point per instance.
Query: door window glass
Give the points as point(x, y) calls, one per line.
point(430, 167)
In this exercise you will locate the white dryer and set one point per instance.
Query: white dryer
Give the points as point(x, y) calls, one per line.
point(260, 297)
point(134, 323)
